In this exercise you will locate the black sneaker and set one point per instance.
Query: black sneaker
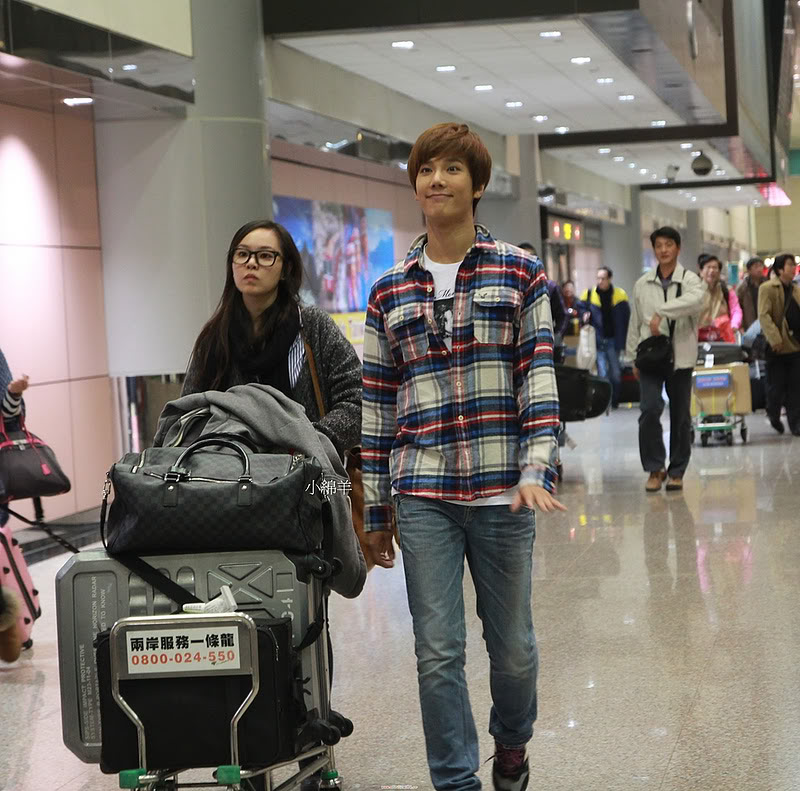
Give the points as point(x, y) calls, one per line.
point(777, 424)
point(510, 768)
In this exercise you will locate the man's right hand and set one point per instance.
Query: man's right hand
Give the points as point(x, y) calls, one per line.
point(636, 373)
point(381, 548)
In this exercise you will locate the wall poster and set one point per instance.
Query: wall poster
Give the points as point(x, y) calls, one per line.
point(344, 248)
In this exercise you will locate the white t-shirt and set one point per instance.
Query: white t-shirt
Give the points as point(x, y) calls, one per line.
point(444, 287)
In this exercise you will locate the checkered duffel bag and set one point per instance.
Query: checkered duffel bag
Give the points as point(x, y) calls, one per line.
point(214, 495)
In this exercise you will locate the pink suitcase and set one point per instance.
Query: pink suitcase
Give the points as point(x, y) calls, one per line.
point(14, 574)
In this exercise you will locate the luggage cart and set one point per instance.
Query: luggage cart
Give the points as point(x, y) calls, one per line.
point(239, 657)
point(716, 400)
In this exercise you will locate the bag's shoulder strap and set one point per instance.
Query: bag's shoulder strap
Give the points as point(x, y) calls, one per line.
point(312, 365)
point(152, 576)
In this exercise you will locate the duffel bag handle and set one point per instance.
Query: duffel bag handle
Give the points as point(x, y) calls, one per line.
point(178, 469)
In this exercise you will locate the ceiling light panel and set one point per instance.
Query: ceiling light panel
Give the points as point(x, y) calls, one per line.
point(515, 59)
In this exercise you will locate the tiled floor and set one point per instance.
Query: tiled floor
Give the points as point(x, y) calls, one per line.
point(668, 626)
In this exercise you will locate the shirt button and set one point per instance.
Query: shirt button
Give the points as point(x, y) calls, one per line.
point(497, 299)
point(458, 384)
point(429, 289)
point(444, 351)
point(461, 418)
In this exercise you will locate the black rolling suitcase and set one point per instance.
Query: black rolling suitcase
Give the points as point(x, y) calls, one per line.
point(629, 392)
point(187, 720)
point(580, 394)
point(723, 353)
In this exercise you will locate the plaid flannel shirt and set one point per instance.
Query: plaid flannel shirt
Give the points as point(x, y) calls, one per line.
point(466, 423)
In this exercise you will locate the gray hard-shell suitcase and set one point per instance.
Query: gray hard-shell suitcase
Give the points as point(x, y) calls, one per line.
point(93, 591)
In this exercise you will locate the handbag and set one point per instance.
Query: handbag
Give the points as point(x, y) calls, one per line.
point(656, 355)
point(28, 466)
point(586, 354)
point(216, 494)
point(580, 394)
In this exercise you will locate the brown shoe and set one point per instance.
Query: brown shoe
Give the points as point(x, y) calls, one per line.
point(654, 481)
point(674, 484)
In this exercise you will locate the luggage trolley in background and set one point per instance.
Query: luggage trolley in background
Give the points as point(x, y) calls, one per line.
point(715, 409)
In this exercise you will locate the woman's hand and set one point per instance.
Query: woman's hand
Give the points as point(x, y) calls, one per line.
point(18, 386)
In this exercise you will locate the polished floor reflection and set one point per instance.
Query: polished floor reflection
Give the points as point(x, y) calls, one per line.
point(668, 629)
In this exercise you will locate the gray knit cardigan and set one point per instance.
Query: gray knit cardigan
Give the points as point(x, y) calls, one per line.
point(339, 371)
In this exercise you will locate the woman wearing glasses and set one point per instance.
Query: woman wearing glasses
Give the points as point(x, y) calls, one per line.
point(257, 334)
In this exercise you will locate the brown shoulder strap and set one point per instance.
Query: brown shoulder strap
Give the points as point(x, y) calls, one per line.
point(314, 378)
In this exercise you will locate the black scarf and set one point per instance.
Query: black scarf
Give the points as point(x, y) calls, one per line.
point(265, 360)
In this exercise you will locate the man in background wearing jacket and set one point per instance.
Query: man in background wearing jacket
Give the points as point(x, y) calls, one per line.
point(779, 313)
point(609, 312)
point(747, 291)
point(665, 295)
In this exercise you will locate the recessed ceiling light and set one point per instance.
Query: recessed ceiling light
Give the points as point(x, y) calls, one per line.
point(631, 164)
point(626, 97)
point(582, 60)
point(662, 181)
point(658, 123)
point(561, 130)
point(335, 146)
point(696, 153)
point(719, 172)
point(604, 80)
point(603, 150)
point(643, 171)
point(484, 87)
point(796, 76)
point(445, 68)
point(403, 44)
point(550, 34)
point(130, 67)
point(512, 105)
point(686, 146)
point(694, 198)
point(618, 159)
point(540, 119)
point(739, 189)
point(77, 101)
point(402, 165)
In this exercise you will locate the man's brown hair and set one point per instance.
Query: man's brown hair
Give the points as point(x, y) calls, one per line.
point(454, 140)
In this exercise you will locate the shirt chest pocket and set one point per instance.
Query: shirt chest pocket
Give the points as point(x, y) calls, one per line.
point(406, 328)
point(495, 313)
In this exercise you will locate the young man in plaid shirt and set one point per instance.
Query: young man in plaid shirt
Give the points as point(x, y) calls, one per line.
point(460, 413)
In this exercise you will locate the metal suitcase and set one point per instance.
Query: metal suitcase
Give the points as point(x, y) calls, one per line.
point(94, 591)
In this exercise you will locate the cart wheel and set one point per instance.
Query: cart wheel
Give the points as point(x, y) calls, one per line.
point(744, 434)
point(692, 438)
point(330, 734)
point(704, 439)
point(729, 438)
point(341, 722)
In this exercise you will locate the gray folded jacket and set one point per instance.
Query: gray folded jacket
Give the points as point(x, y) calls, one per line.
point(270, 419)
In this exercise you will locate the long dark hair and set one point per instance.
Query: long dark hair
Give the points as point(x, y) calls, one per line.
point(212, 356)
point(707, 258)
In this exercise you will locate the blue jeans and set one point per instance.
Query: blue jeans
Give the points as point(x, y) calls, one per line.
point(435, 538)
point(608, 365)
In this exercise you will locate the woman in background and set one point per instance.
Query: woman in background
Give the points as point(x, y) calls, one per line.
point(721, 315)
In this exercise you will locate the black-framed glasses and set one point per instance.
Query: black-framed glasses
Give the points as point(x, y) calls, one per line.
point(242, 256)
